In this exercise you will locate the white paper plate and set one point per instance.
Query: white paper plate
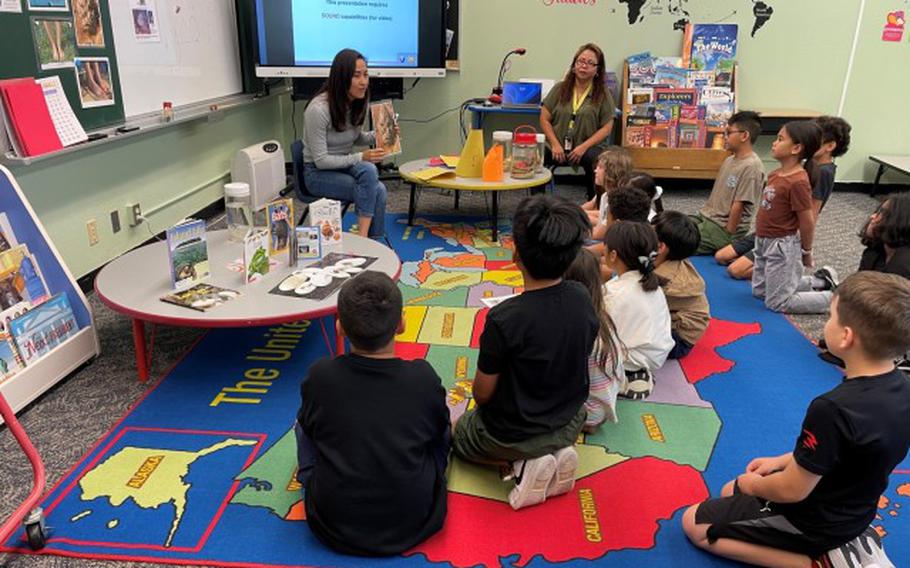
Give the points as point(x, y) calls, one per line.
point(292, 282)
point(321, 279)
point(304, 290)
point(353, 269)
point(351, 262)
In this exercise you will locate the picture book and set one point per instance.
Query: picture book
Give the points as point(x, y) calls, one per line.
point(11, 313)
point(668, 61)
point(660, 136)
point(665, 112)
point(9, 359)
point(641, 114)
point(670, 76)
point(638, 136)
point(691, 113)
point(187, 254)
point(326, 214)
point(281, 224)
point(690, 135)
point(715, 95)
point(640, 95)
point(641, 69)
point(20, 278)
point(255, 255)
point(385, 126)
point(697, 79)
point(307, 244)
point(723, 74)
point(706, 44)
point(675, 96)
point(7, 236)
point(42, 328)
point(201, 297)
point(717, 114)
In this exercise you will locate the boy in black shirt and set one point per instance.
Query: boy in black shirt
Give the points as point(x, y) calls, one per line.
point(373, 432)
point(532, 375)
point(813, 507)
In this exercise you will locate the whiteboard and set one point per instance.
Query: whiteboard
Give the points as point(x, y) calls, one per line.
point(193, 57)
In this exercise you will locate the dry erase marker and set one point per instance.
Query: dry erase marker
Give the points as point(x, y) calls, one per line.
point(167, 111)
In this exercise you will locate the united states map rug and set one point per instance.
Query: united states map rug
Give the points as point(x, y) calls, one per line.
point(201, 470)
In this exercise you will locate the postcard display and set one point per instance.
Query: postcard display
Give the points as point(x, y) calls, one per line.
point(57, 335)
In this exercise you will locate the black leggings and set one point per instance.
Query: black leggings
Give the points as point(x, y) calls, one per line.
point(588, 163)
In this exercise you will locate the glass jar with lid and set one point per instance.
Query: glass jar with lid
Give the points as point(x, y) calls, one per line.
point(524, 152)
point(541, 151)
point(238, 208)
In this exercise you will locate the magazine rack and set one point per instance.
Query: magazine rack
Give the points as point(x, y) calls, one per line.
point(31, 381)
point(689, 163)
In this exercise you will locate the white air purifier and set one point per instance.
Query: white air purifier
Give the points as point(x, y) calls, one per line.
point(262, 167)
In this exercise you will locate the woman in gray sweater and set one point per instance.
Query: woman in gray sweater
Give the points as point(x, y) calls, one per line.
point(333, 125)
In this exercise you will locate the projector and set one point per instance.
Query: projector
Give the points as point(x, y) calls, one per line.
point(262, 167)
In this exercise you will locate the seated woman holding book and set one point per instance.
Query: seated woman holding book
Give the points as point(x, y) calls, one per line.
point(333, 125)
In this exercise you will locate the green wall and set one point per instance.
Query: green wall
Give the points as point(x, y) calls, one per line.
point(191, 159)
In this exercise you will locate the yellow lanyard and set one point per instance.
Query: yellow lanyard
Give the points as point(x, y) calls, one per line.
point(576, 104)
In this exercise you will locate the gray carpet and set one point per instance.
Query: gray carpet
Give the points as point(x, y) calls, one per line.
point(70, 418)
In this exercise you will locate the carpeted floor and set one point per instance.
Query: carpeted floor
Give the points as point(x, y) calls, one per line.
point(70, 418)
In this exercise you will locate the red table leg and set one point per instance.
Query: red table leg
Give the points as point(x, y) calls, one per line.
point(339, 340)
point(139, 345)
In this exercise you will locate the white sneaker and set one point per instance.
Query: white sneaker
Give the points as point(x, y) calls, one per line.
point(566, 465)
point(532, 477)
point(864, 551)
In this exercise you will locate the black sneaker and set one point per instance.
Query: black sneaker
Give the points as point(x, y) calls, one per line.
point(904, 363)
point(829, 276)
point(638, 385)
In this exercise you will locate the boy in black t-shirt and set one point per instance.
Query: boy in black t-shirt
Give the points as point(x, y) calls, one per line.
point(532, 374)
point(813, 507)
point(373, 432)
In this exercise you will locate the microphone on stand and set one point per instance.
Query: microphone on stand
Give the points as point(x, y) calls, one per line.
point(496, 96)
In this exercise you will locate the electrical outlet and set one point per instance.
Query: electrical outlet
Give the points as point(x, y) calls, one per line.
point(115, 221)
point(133, 214)
point(92, 227)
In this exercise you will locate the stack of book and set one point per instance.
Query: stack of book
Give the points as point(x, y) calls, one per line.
point(683, 102)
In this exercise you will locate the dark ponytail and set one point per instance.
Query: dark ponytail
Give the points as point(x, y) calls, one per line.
point(636, 245)
point(585, 269)
point(809, 134)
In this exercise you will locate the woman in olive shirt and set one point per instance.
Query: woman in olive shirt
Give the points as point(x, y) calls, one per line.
point(577, 115)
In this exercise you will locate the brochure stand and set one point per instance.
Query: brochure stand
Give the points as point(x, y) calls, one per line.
point(30, 382)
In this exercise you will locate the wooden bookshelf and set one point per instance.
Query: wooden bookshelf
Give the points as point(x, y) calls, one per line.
point(687, 163)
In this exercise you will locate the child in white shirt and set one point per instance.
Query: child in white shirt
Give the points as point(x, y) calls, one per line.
point(637, 305)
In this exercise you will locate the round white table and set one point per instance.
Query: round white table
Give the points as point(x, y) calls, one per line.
point(133, 284)
point(459, 184)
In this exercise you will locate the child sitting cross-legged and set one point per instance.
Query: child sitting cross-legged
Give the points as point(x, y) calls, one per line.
point(532, 368)
point(683, 286)
point(605, 362)
point(637, 305)
point(812, 507)
point(373, 433)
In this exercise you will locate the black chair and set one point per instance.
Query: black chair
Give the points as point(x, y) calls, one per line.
point(299, 184)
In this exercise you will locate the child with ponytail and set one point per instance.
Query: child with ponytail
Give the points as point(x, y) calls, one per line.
point(605, 370)
point(785, 225)
point(637, 305)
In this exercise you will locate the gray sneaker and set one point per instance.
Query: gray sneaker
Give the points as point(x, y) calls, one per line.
point(828, 275)
point(864, 551)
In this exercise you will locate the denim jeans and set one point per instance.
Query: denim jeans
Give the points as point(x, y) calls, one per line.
point(358, 183)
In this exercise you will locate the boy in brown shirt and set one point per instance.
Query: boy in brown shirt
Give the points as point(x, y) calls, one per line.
point(683, 286)
point(727, 214)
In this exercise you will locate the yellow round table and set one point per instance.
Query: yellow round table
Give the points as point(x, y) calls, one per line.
point(459, 184)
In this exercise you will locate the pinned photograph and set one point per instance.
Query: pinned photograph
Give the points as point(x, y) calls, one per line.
point(55, 42)
point(145, 20)
point(94, 77)
point(48, 5)
point(385, 123)
point(89, 29)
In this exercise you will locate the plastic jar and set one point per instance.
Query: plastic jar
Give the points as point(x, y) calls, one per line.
point(238, 207)
point(541, 151)
point(504, 138)
point(524, 152)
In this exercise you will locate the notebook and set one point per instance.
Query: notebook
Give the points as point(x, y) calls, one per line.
point(29, 116)
point(518, 94)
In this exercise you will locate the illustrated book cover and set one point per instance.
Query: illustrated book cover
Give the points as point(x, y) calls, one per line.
point(385, 126)
point(42, 328)
point(201, 297)
point(187, 254)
